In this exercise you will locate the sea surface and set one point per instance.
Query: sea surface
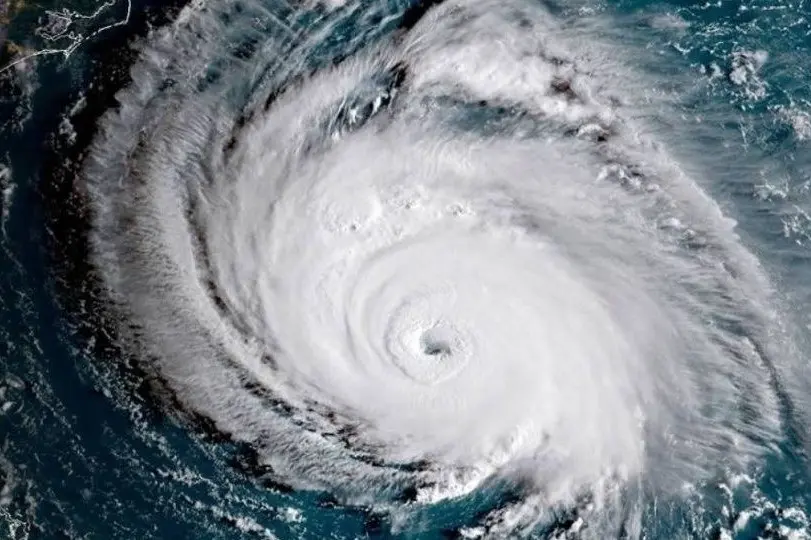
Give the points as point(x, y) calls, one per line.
point(206, 209)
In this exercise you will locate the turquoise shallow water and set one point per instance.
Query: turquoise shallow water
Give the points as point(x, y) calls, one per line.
point(92, 447)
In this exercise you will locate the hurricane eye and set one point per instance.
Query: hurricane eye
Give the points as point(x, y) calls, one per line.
point(436, 348)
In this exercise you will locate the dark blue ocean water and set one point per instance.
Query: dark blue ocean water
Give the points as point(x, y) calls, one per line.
point(85, 453)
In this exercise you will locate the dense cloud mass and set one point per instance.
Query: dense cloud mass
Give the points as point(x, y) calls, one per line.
point(447, 258)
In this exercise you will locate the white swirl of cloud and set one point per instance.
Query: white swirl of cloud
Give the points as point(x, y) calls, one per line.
point(408, 293)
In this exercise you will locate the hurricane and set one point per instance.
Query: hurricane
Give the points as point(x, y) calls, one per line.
point(438, 255)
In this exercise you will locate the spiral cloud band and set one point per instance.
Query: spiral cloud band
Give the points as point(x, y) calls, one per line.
point(448, 257)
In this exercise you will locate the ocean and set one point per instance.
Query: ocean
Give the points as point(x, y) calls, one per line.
point(405, 269)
